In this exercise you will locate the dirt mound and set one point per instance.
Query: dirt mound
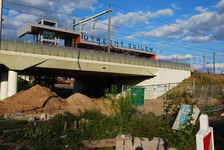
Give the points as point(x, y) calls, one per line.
point(36, 96)
point(79, 99)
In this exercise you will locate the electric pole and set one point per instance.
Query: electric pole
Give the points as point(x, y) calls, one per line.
point(1, 5)
point(204, 62)
point(109, 29)
point(213, 63)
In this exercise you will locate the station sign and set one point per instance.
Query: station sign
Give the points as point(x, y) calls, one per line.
point(115, 43)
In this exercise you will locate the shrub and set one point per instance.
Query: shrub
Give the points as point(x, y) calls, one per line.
point(120, 108)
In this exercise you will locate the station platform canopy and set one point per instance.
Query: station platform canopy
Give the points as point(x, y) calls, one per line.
point(46, 31)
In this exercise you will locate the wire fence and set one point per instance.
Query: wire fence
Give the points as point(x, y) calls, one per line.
point(210, 97)
point(158, 90)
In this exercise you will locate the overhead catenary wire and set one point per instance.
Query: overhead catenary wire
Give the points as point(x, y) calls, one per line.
point(157, 41)
point(157, 47)
point(158, 20)
point(151, 40)
point(171, 50)
point(103, 23)
point(43, 9)
point(160, 48)
point(166, 39)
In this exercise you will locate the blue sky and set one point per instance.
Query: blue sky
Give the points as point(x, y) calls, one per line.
point(172, 28)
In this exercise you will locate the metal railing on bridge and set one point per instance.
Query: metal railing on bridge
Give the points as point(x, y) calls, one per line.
point(18, 45)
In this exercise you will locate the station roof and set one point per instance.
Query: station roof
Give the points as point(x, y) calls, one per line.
point(32, 28)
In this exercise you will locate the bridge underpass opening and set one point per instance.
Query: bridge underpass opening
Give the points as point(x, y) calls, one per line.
point(91, 84)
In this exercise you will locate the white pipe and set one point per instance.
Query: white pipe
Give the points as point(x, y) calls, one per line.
point(12, 82)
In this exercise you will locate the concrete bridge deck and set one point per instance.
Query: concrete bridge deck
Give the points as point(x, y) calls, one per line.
point(29, 58)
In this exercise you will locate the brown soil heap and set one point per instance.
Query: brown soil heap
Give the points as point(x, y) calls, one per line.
point(79, 99)
point(36, 96)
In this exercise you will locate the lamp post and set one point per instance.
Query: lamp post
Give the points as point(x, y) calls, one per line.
point(1, 6)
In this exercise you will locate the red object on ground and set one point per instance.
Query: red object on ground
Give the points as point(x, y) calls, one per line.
point(59, 108)
point(35, 109)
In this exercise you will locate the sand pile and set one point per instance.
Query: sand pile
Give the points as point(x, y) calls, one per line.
point(36, 96)
point(79, 99)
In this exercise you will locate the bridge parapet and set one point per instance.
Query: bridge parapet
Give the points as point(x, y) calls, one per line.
point(88, 54)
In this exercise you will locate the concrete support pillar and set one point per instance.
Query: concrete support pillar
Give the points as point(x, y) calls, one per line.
point(12, 82)
point(4, 85)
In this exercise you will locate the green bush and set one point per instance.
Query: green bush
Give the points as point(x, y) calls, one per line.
point(23, 85)
point(46, 135)
point(120, 108)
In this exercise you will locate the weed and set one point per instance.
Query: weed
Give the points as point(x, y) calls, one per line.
point(120, 108)
point(46, 135)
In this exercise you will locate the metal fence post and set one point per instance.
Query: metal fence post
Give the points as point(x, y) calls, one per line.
point(5, 44)
point(42, 51)
point(24, 46)
point(50, 49)
point(165, 90)
point(15, 46)
point(33, 48)
point(109, 56)
point(57, 51)
point(193, 90)
point(212, 94)
point(97, 56)
point(169, 89)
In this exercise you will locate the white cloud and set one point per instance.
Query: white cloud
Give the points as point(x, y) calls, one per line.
point(83, 5)
point(175, 7)
point(131, 37)
point(220, 7)
point(201, 23)
point(219, 32)
point(13, 12)
point(148, 27)
point(164, 12)
point(66, 4)
point(165, 31)
point(191, 45)
point(144, 42)
point(175, 56)
point(132, 18)
point(200, 9)
point(217, 65)
point(198, 39)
